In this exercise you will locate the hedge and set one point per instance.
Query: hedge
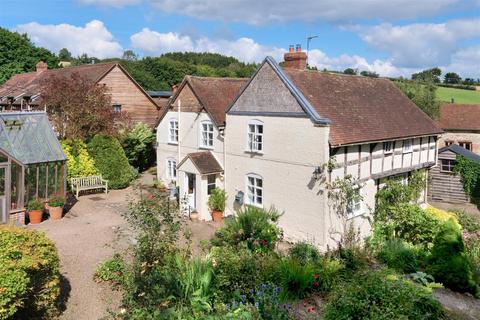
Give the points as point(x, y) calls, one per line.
point(111, 161)
point(29, 274)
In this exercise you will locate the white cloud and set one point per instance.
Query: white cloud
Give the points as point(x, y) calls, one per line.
point(466, 62)
point(93, 39)
point(153, 42)
point(110, 3)
point(420, 44)
point(265, 11)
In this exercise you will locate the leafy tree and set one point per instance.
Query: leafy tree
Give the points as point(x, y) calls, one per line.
point(18, 54)
point(371, 74)
point(423, 94)
point(77, 107)
point(139, 146)
point(452, 78)
point(64, 55)
point(428, 75)
point(350, 71)
point(129, 55)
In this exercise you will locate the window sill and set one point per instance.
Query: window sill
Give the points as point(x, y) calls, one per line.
point(354, 215)
point(206, 148)
point(411, 151)
point(387, 152)
point(260, 153)
point(172, 143)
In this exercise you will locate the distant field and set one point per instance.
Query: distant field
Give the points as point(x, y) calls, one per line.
point(460, 96)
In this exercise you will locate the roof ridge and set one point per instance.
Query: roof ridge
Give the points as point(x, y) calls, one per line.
point(216, 78)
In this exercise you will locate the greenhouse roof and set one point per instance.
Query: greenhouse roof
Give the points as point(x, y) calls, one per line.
point(29, 138)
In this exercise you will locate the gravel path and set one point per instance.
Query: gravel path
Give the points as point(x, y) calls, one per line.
point(90, 233)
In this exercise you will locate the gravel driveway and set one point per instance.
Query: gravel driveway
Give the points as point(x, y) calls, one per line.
point(89, 234)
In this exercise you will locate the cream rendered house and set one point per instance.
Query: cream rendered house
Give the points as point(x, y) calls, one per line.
point(286, 124)
point(190, 139)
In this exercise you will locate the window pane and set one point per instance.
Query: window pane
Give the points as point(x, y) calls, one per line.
point(259, 182)
point(260, 129)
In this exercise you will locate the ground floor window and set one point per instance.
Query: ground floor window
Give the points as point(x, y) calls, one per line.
point(354, 207)
point(447, 165)
point(211, 183)
point(171, 169)
point(254, 190)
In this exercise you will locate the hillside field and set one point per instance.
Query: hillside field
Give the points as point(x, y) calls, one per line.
point(460, 95)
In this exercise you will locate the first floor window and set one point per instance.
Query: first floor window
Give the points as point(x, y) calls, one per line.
point(255, 190)
point(207, 134)
point(447, 165)
point(171, 169)
point(448, 143)
point(407, 145)
point(255, 136)
point(117, 108)
point(211, 183)
point(387, 147)
point(465, 144)
point(173, 131)
point(354, 206)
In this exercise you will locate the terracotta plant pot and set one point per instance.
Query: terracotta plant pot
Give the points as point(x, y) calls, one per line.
point(56, 213)
point(35, 216)
point(217, 216)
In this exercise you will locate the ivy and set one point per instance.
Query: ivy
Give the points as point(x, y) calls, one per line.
point(470, 172)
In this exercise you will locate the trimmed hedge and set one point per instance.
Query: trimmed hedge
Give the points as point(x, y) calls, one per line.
point(111, 161)
point(29, 274)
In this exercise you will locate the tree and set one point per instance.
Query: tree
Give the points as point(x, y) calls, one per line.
point(452, 78)
point(129, 55)
point(371, 74)
point(78, 107)
point(18, 55)
point(350, 71)
point(423, 94)
point(64, 55)
point(432, 74)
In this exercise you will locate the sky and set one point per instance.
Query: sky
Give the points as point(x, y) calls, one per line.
point(390, 37)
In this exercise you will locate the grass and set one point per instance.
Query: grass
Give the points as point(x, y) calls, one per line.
point(460, 95)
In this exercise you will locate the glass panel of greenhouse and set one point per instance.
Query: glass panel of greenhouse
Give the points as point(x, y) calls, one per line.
point(32, 162)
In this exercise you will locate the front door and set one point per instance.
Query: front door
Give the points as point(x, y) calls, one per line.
point(190, 184)
point(3, 194)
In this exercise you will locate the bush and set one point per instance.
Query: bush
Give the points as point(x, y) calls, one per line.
point(296, 280)
point(111, 161)
point(56, 201)
point(328, 273)
point(139, 146)
point(448, 263)
point(252, 227)
point(305, 253)
point(377, 295)
point(113, 270)
point(401, 256)
point(29, 274)
point(35, 204)
point(468, 221)
point(79, 161)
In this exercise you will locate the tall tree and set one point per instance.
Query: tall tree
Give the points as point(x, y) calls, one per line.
point(77, 107)
point(423, 94)
point(18, 54)
point(452, 78)
point(129, 55)
point(371, 74)
point(350, 71)
point(64, 55)
point(432, 74)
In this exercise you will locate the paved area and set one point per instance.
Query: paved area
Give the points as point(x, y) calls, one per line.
point(91, 232)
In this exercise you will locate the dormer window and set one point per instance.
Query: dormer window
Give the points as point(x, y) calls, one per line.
point(206, 134)
point(255, 136)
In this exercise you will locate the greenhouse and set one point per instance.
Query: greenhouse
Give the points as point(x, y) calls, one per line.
point(32, 162)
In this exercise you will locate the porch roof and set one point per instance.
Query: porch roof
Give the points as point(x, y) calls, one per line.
point(205, 162)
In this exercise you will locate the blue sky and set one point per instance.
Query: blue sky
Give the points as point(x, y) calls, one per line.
point(391, 37)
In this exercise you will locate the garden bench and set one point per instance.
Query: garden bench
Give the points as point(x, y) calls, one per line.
point(88, 183)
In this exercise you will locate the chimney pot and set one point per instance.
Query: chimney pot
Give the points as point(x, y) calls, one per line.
point(41, 66)
point(299, 48)
point(174, 88)
point(295, 58)
point(290, 49)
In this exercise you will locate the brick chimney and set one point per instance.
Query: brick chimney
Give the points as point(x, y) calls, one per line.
point(295, 59)
point(41, 66)
point(174, 88)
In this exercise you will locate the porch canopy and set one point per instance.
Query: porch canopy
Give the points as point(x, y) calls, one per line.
point(32, 158)
point(203, 163)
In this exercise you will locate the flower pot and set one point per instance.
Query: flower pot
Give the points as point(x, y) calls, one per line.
point(56, 212)
point(35, 216)
point(217, 216)
point(194, 216)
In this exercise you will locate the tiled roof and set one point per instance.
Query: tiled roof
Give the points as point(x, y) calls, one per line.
point(29, 84)
point(204, 161)
point(361, 109)
point(460, 117)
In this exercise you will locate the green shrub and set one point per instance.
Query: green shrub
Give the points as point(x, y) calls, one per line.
point(328, 272)
point(376, 295)
point(217, 199)
point(29, 274)
point(448, 263)
point(35, 204)
point(111, 161)
point(468, 221)
point(139, 146)
point(401, 256)
point(113, 270)
point(254, 227)
point(56, 201)
point(79, 161)
point(296, 280)
point(305, 253)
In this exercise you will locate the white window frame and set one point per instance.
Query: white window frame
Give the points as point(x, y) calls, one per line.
point(355, 208)
point(210, 184)
point(251, 190)
point(173, 131)
point(171, 169)
point(117, 108)
point(388, 147)
point(207, 134)
point(255, 139)
point(407, 145)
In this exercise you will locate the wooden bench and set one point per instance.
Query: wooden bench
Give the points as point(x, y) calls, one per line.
point(88, 183)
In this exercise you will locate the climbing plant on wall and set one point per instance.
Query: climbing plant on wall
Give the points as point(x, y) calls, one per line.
point(470, 173)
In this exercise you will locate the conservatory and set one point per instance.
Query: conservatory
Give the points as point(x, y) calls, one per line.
point(32, 162)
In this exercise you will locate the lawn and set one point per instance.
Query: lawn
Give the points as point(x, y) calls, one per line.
point(460, 95)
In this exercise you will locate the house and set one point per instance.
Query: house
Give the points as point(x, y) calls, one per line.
point(32, 162)
point(190, 140)
point(161, 98)
point(23, 91)
point(444, 184)
point(461, 123)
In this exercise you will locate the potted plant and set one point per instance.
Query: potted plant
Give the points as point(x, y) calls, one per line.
point(35, 211)
point(216, 203)
point(55, 207)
